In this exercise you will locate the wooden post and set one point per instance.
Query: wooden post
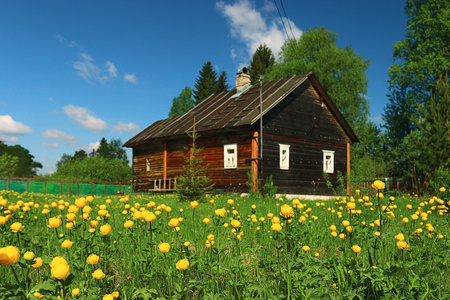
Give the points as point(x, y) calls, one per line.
point(45, 186)
point(92, 188)
point(105, 189)
point(61, 192)
point(120, 187)
point(255, 162)
point(28, 184)
point(165, 164)
point(348, 168)
point(78, 188)
point(7, 184)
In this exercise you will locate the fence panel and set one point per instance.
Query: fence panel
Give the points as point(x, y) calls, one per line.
point(63, 187)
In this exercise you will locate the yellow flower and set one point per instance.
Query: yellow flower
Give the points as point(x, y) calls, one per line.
point(29, 255)
point(345, 223)
point(220, 212)
point(150, 217)
point(9, 255)
point(16, 227)
point(342, 236)
point(305, 248)
point(235, 223)
point(164, 247)
point(442, 189)
point(182, 264)
point(206, 220)
point(92, 259)
point(270, 215)
point(356, 248)
point(174, 222)
point(67, 244)
point(209, 243)
point(351, 205)
point(333, 228)
point(286, 211)
point(194, 204)
point(54, 222)
point(230, 201)
point(349, 228)
point(61, 270)
point(276, 227)
point(37, 262)
point(128, 224)
point(105, 229)
point(75, 292)
point(276, 220)
point(98, 274)
point(38, 295)
point(377, 233)
point(210, 237)
point(115, 294)
point(334, 233)
point(402, 245)
point(253, 206)
point(400, 237)
point(80, 202)
point(316, 254)
point(187, 244)
point(379, 185)
point(377, 222)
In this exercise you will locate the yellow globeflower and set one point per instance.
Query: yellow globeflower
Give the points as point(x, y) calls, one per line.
point(29, 255)
point(334, 234)
point(379, 185)
point(150, 217)
point(174, 222)
point(80, 202)
point(210, 237)
point(220, 212)
point(92, 259)
point(128, 224)
point(402, 245)
point(98, 274)
point(286, 211)
point(60, 271)
point(194, 204)
point(276, 227)
point(342, 236)
point(230, 201)
point(37, 263)
point(305, 248)
point(235, 223)
point(182, 264)
point(3, 220)
point(164, 247)
point(108, 297)
point(16, 227)
point(400, 237)
point(345, 223)
point(275, 220)
point(442, 189)
point(54, 222)
point(206, 220)
point(105, 229)
point(356, 248)
point(209, 243)
point(75, 292)
point(115, 294)
point(9, 255)
point(67, 244)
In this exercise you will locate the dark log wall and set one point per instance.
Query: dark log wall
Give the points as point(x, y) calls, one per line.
point(213, 153)
point(305, 123)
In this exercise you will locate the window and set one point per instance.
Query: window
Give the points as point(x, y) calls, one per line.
point(328, 161)
point(284, 157)
point(147, 164)
point(230, 156)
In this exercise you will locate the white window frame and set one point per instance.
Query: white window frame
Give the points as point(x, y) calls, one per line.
point(230, 159)
point(284, 159)
point(328, 161)
point(147, 164)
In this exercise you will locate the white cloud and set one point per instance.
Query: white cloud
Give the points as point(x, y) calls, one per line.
point(81, 116)
point(67, 43)
point(130, 78)
point(124, 127)
point(50, 145)
point(88, 70)
point(91, 146)
point(10, 129)
point(55, 134)
point(252, 28)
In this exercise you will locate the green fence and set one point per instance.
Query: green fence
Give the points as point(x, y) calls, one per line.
point(64, 187)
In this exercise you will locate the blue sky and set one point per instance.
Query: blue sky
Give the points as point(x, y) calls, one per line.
point(72, 72)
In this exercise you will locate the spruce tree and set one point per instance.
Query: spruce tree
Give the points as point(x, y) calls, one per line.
point(262, 59)
point(222, 85)
point(206, 83)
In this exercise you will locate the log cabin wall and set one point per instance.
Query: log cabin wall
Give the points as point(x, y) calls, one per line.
point(213, 153)
point(304, 122)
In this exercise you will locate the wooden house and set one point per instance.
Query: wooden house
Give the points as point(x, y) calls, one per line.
point(303, 136)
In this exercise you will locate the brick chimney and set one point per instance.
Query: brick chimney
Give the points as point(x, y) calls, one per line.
point(242, 79)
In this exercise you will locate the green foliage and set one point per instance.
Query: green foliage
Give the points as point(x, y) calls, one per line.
point(261, 60)
point(222, 85)
point(270, 189)
point(8, 165)
point(193, 185)
point(340, 70)
point(182, 104)
point(26, 166)
point(111, 150)
point(419, 60)
point(96, 168)
point(341, 187)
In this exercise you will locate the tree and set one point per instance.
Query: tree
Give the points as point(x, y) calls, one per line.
point(8, 165)
point(419, 60)
point(111, 150)
point(182, 104)
point(261, 60)
point(65, 159)
point(340, 71)
point(222, 85)
point(26, 166)
point(193, 184)
point(206, 83)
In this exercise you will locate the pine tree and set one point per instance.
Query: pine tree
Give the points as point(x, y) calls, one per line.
point(222, 85)
point(206, 83)
point(262, 59)
point(193, 185)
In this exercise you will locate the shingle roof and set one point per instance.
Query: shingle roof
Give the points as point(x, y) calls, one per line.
point(223, 111)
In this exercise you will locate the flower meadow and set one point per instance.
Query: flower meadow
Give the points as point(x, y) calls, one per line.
point(147, 246)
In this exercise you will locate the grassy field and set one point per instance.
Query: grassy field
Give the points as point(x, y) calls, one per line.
point(228, 247)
